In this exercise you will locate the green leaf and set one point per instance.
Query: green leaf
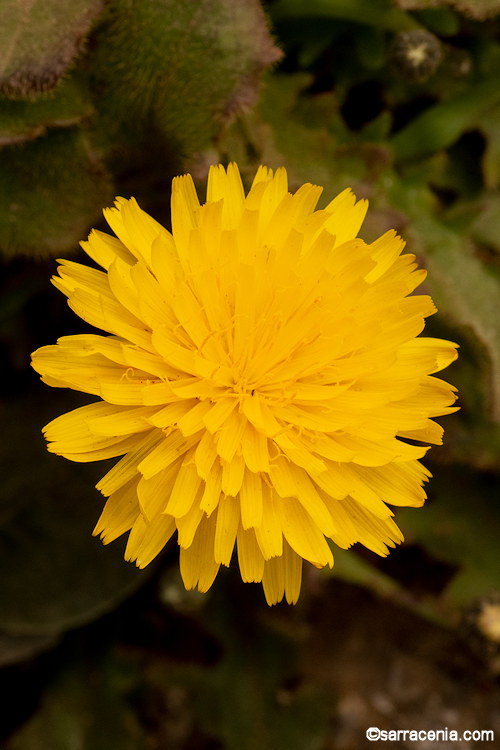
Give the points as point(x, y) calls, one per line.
point(440, 125)
point(381, 14)
point(20, 648)
point(485, 228)
point(253, 697)
point(460, 525)
point(181, 69)
point(58, 576)
point(87, 705)
point(245, 699)
point(478, 9)
point(68, 104)
point(52, 190)
point(457, 528)
point(351, 567)
point(467, 290)
point(40, 39)
point(303, 132)
point(307, 134)
point(490, 128)
point(440, 21)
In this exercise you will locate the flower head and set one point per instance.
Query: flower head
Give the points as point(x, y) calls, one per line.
point(262, 378)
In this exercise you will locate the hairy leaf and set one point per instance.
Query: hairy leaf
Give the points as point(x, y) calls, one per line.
point(51, 190)
point(179, 68)
point(39, 39)
point(67, 105)
point(478, 9)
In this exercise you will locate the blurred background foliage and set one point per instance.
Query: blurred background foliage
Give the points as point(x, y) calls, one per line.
point(398, 99)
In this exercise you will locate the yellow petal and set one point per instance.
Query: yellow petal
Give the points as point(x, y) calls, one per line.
point(172, 413)
point(184, 208)
point(398, 483)
point(254, 449)
point(103, 248)
point(269, 534)
point(291, 481)
point(296, 452)
point(153, 493)
point(218, 414)
point(119, 514)
point(166, 452)
point(185, 488)
point(135, 228)
point(212, 491)
point(94, 449)
point(127, 467)
point(346, 216)
point(123, 288)
point(192, 420)
point(226, 186)
point(251, 500)
point(384, 251)
point(232, 475)
point(197, 562)
point(119, 420)
point(293, 574)
point(188, 524)
point(230, 435)
point(205, 455)
point(282, 576)
point(228, 519)
point(105, 312)
point(302, 534)
point(147, 541)
point(250, 557)
point(374, 533)
point(273, 580)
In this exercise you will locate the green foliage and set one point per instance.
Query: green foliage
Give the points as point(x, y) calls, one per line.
point(257, 663)
point(151, 84)
point(457, 530)
point(381, 13)
point(40, 40)
point(51, 189)
point(86, 706)
point(468, 291)
point(67, 105)
point(192, 67)
point(245, 701)
point(460, 526)
point(58, 576)
point(478, 9)
point(439, 126)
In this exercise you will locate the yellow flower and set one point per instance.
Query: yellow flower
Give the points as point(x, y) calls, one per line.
point(263, 379)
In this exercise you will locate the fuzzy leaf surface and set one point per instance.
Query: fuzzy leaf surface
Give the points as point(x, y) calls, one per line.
point(39, 39)
point(179, 68)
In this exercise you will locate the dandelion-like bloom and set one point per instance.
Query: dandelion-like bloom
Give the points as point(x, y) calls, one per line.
point(263, 379)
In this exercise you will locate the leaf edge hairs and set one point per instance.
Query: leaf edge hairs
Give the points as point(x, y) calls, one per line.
point(263, 378)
